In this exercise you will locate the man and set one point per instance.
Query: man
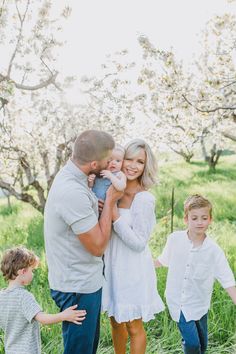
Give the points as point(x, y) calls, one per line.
point(75, 240)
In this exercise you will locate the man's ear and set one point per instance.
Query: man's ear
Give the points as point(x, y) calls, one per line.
point(94, 165)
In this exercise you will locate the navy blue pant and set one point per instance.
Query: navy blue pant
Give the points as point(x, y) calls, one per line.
point(194, 335)
point(80, 339)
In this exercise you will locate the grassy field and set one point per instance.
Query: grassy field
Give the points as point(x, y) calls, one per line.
point(23, 225)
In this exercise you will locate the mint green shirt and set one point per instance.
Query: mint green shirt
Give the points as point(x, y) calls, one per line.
point(71, 209)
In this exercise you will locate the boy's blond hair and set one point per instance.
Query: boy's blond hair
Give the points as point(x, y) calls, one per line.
point(196, 201)
point(15, 259)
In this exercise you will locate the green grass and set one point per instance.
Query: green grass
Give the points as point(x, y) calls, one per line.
point(23, 225)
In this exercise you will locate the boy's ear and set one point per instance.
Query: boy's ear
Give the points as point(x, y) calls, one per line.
point(21, 271)
point(185, 219)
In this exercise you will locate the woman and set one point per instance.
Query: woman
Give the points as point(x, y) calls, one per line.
point(129, 294)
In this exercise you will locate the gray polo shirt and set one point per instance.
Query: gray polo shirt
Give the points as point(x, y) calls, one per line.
point(18, 309)
point(71, 209)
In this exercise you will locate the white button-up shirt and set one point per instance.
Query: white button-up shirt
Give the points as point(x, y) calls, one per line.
point(191, 274)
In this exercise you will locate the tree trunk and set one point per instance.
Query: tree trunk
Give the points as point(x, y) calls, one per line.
point(212, 158)
point(7, 195)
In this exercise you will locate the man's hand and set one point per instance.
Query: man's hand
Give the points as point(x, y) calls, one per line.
point(100, 205)
point(115, 213)
point(91, 179)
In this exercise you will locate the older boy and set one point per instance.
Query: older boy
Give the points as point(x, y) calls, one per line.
point(194, 261)
point(20, 313)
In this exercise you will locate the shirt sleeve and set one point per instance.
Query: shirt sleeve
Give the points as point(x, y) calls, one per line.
point(29, 306)
point(137, 235)
point(223, 272)
point(164, 258)
point(78, 212)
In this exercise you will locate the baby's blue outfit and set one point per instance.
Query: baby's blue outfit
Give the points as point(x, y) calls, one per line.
point(101, 185)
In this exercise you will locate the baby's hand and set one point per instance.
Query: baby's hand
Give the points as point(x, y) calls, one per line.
point(91, 179)
point(106, 174)
point(72, 315)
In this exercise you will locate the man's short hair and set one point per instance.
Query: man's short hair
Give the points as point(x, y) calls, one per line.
point(15, 259)
point(92, 145)
point(197, 201)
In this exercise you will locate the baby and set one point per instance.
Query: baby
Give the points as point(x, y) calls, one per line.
point(112, 175)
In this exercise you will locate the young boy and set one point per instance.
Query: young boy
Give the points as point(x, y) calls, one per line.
point(112, 175)
point(20, 313)
point(194, 261)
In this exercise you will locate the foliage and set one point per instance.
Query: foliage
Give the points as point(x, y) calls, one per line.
point(24, 226)
point(30, 93)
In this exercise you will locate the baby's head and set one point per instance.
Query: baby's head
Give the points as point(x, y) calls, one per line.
point(117, 158)
point(18, 261)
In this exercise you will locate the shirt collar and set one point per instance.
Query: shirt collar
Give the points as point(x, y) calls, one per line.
point(202, 246)
point(76, 171)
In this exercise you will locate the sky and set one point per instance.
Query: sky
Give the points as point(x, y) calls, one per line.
point(98, 28)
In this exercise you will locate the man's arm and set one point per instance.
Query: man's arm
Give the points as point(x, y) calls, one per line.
point(70, 315)
point(96, 239)
point(232, 293)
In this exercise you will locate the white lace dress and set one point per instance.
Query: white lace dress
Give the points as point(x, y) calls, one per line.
point(130, 286)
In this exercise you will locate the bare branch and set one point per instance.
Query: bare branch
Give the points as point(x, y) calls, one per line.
point(49, 81)
point(208, 110)
point(22, 19)
point(2, 6)
point(229, 136)
point(25, 197)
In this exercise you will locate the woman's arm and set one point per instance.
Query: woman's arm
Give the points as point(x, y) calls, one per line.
point(137, 235)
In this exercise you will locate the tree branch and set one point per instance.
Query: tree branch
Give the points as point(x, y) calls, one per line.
point(229, 136)
point(22, 19)
point(25, 197)
point(207, 110)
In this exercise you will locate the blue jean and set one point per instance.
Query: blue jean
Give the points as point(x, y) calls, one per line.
point(194, 335)
point(80, 339)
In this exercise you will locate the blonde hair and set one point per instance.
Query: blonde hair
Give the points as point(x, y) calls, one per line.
point(196, 201)
point(148, 178)
point(92, 145)
point(15, 259)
